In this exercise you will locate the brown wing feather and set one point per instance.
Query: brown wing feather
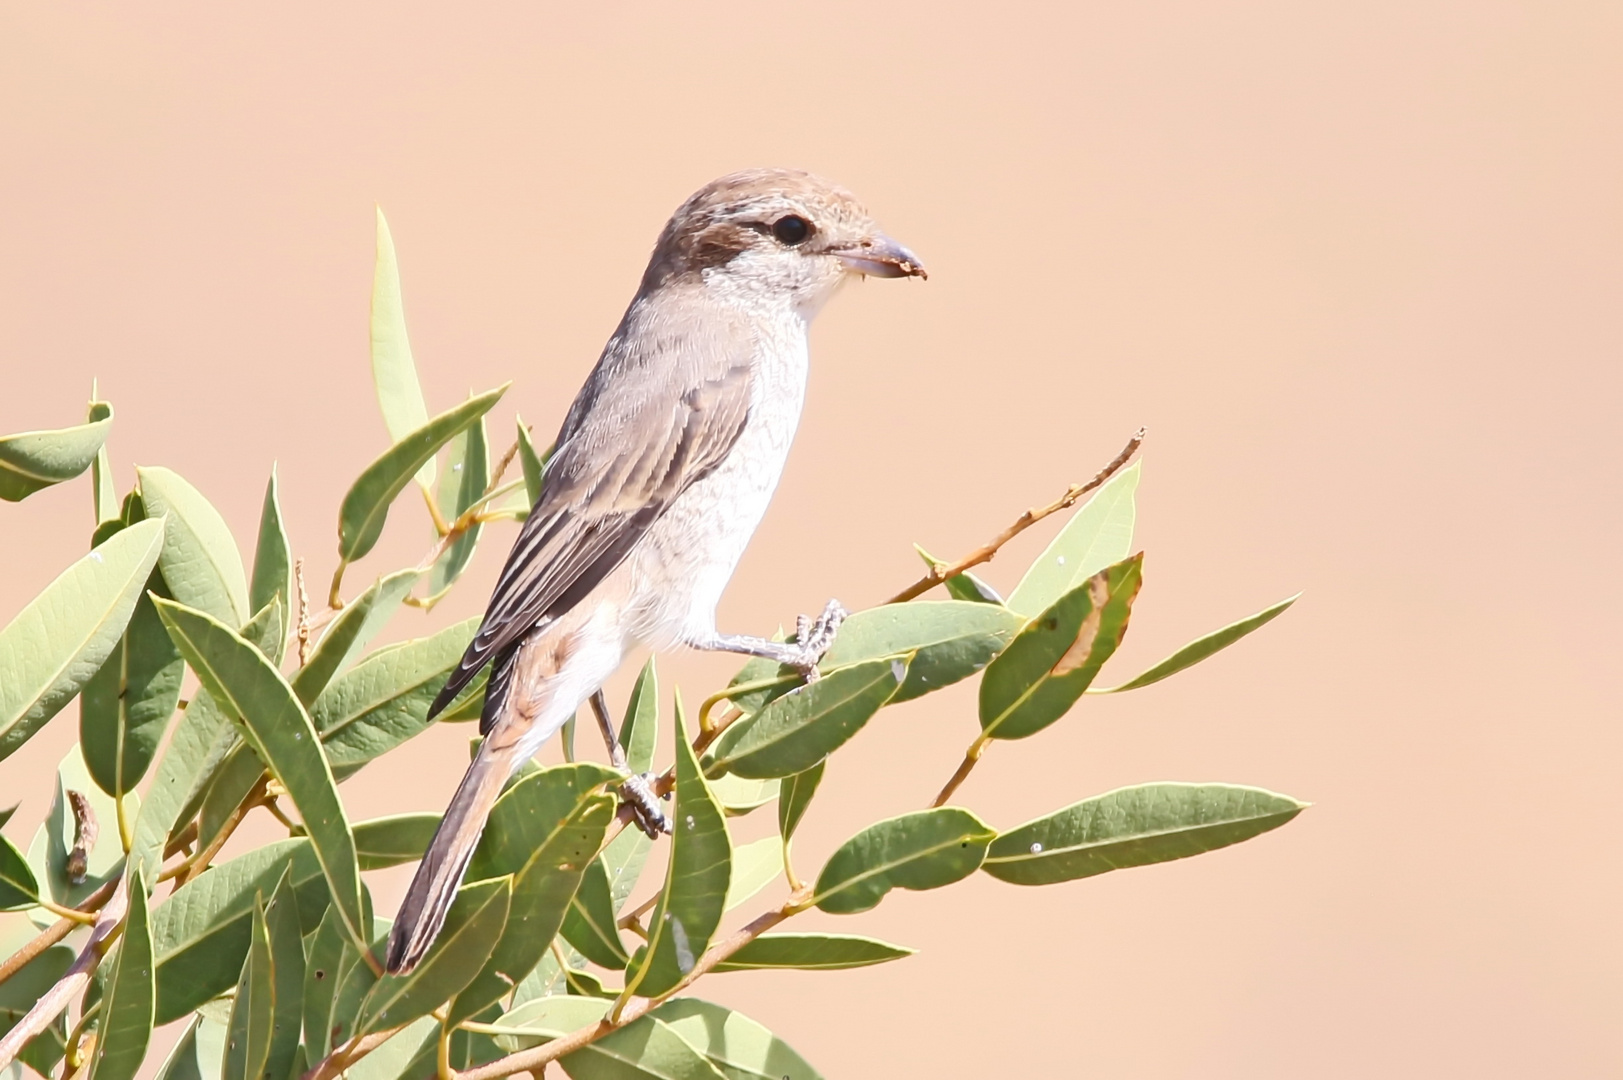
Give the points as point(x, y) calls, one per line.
point(643, 429)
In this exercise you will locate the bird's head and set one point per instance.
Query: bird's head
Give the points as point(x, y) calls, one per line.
point(775, 235)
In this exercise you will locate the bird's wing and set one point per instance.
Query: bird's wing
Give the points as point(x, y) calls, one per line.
point(650, 421)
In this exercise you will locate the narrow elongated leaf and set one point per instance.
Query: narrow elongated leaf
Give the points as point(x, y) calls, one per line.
point(179, 770)
point(384, 700)
point(350, 632)
point(1135, 826)
point(19, 888)
point(755, 866)
point(533, 464)
point(390, 1061)
point(25, 987)
point(812, 952)
point(795, 796)
point(201, 933)
point(200, 561)
point(126, 705)
point(544, 1019)
point(949, 640)
point(32, 460)
point(1098, 535)
point(273, 555)
point(794, 732)
point(1199, 649)
point(104, 496)
point(287, 977)
point(48, 853)
point(394, 373)
point(645, 1049)
point(639, 731)
point(254, 693)
point(623, 861)
point(126, 1017)
point(696, 879)
point(56, 643)
point(472, 928)
point(390, 841)
point(366, 506)
point(544, 831)
point(253, 1010)
point(589, 922)
point(467, 475)
point(739, 796)
point(922, 850)
point(736, 1045)
point(200, 1053)
point(336, 982)
point(1046, 668)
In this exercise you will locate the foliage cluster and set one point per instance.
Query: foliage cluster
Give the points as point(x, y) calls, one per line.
point(271, 956)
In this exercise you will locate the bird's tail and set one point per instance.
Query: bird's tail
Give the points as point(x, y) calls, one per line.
point(422, 912)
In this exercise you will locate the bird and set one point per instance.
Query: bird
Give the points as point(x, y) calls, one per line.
point(660, 473)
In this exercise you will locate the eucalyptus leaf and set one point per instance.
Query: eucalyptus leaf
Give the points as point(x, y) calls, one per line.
point(755, 866)
point(1047, 667)
point(1135, 826)
point(287, 977)
point(253, 1009)
point(336, 982)
point(200, 561)
point(394, 373)
point(639, 731)
point(737, 1046)
point(544, 1019)
point(32, 460)
point(19, 888)
point(1098, 535)
point(739, 796)
point(467, 474)
point(19, 993)
point(273, 555)
point(48, 853)
point(533, 464)
point(103, 494)
point(812, 952)
point(180, 769)
point(589, 924)
point(623, 861)
point(922, 850)
point(200, 1053)
point(366, 506)
point(254, 693)
point(125, 1027)
point(1199, 649)
point(390, 1061)
point(348, 635)
point(645, 1049)
point(795, 796)
point(58, 642)
point(389, 841)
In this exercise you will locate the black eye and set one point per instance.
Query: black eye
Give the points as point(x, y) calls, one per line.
point(791, 229)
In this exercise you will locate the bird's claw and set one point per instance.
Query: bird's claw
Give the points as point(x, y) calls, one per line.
point(814, 637)
point(637, 792)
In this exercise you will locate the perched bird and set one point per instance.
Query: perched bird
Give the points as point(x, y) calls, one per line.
point(659, 476)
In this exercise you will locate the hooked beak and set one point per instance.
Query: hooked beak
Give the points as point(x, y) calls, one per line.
point(880, 256)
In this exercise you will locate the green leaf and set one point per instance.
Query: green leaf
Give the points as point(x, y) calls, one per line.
point(394, 373)
point(736, 1045)
point(126, 705)
point(950, 640)
point(25, 987)
point(366, 506)
point(104, 496)
point(273, 555)
point(544, 831)
point(33, 460)
point(1098, 535)
point(812, 952)
point(1199, 649)
point(466, 477)
point(795, 796)
point(643, 1049)
point(287, 971)
point(533, 464)
point(696, 879)
point(384, 700)
point(639, 731)
point(1135, 826)
point(472, 928)
point(794, 732)
point(201, 933)
point(589, 922)
point(56, 643)
point(544, 1019)
point(1044, 671)
point(389, 841)
point(48, 853)
point(623, 861)
point(390, 1061)
point(200, 1053)
point(350, 632)
point(739, 796)
point(126, 1008)
point(254, 693)
point(200, 561)
point(922, 850)
point(19, 888)
point(179, 769)
point(253, 1010)
point(755, 866)
point(336, 981)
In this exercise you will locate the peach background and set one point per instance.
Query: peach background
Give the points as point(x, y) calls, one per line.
point(1357, 267)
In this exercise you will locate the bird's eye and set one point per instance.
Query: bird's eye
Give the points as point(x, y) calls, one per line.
point(791, 229)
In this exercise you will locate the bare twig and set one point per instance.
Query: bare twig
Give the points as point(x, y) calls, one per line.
point(942, 571)
point(72, 983)
point(195, 865)
point(348, 1054)
point(304, 612)
point(54, 933)
point(85, 831)
point(971, 756)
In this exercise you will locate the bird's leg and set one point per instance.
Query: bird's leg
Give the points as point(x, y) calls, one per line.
point(637, 791)
point(812, 639)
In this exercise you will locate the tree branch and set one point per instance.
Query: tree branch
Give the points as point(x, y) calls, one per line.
point(985, 552)
point(55, 933)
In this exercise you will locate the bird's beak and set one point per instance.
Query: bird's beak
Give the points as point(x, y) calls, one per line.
point(879, 256)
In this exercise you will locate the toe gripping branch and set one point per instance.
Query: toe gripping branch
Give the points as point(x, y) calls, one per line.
point(637, 791)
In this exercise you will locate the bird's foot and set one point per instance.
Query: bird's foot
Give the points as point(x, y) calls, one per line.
point(637, 792)
point(813, 637)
